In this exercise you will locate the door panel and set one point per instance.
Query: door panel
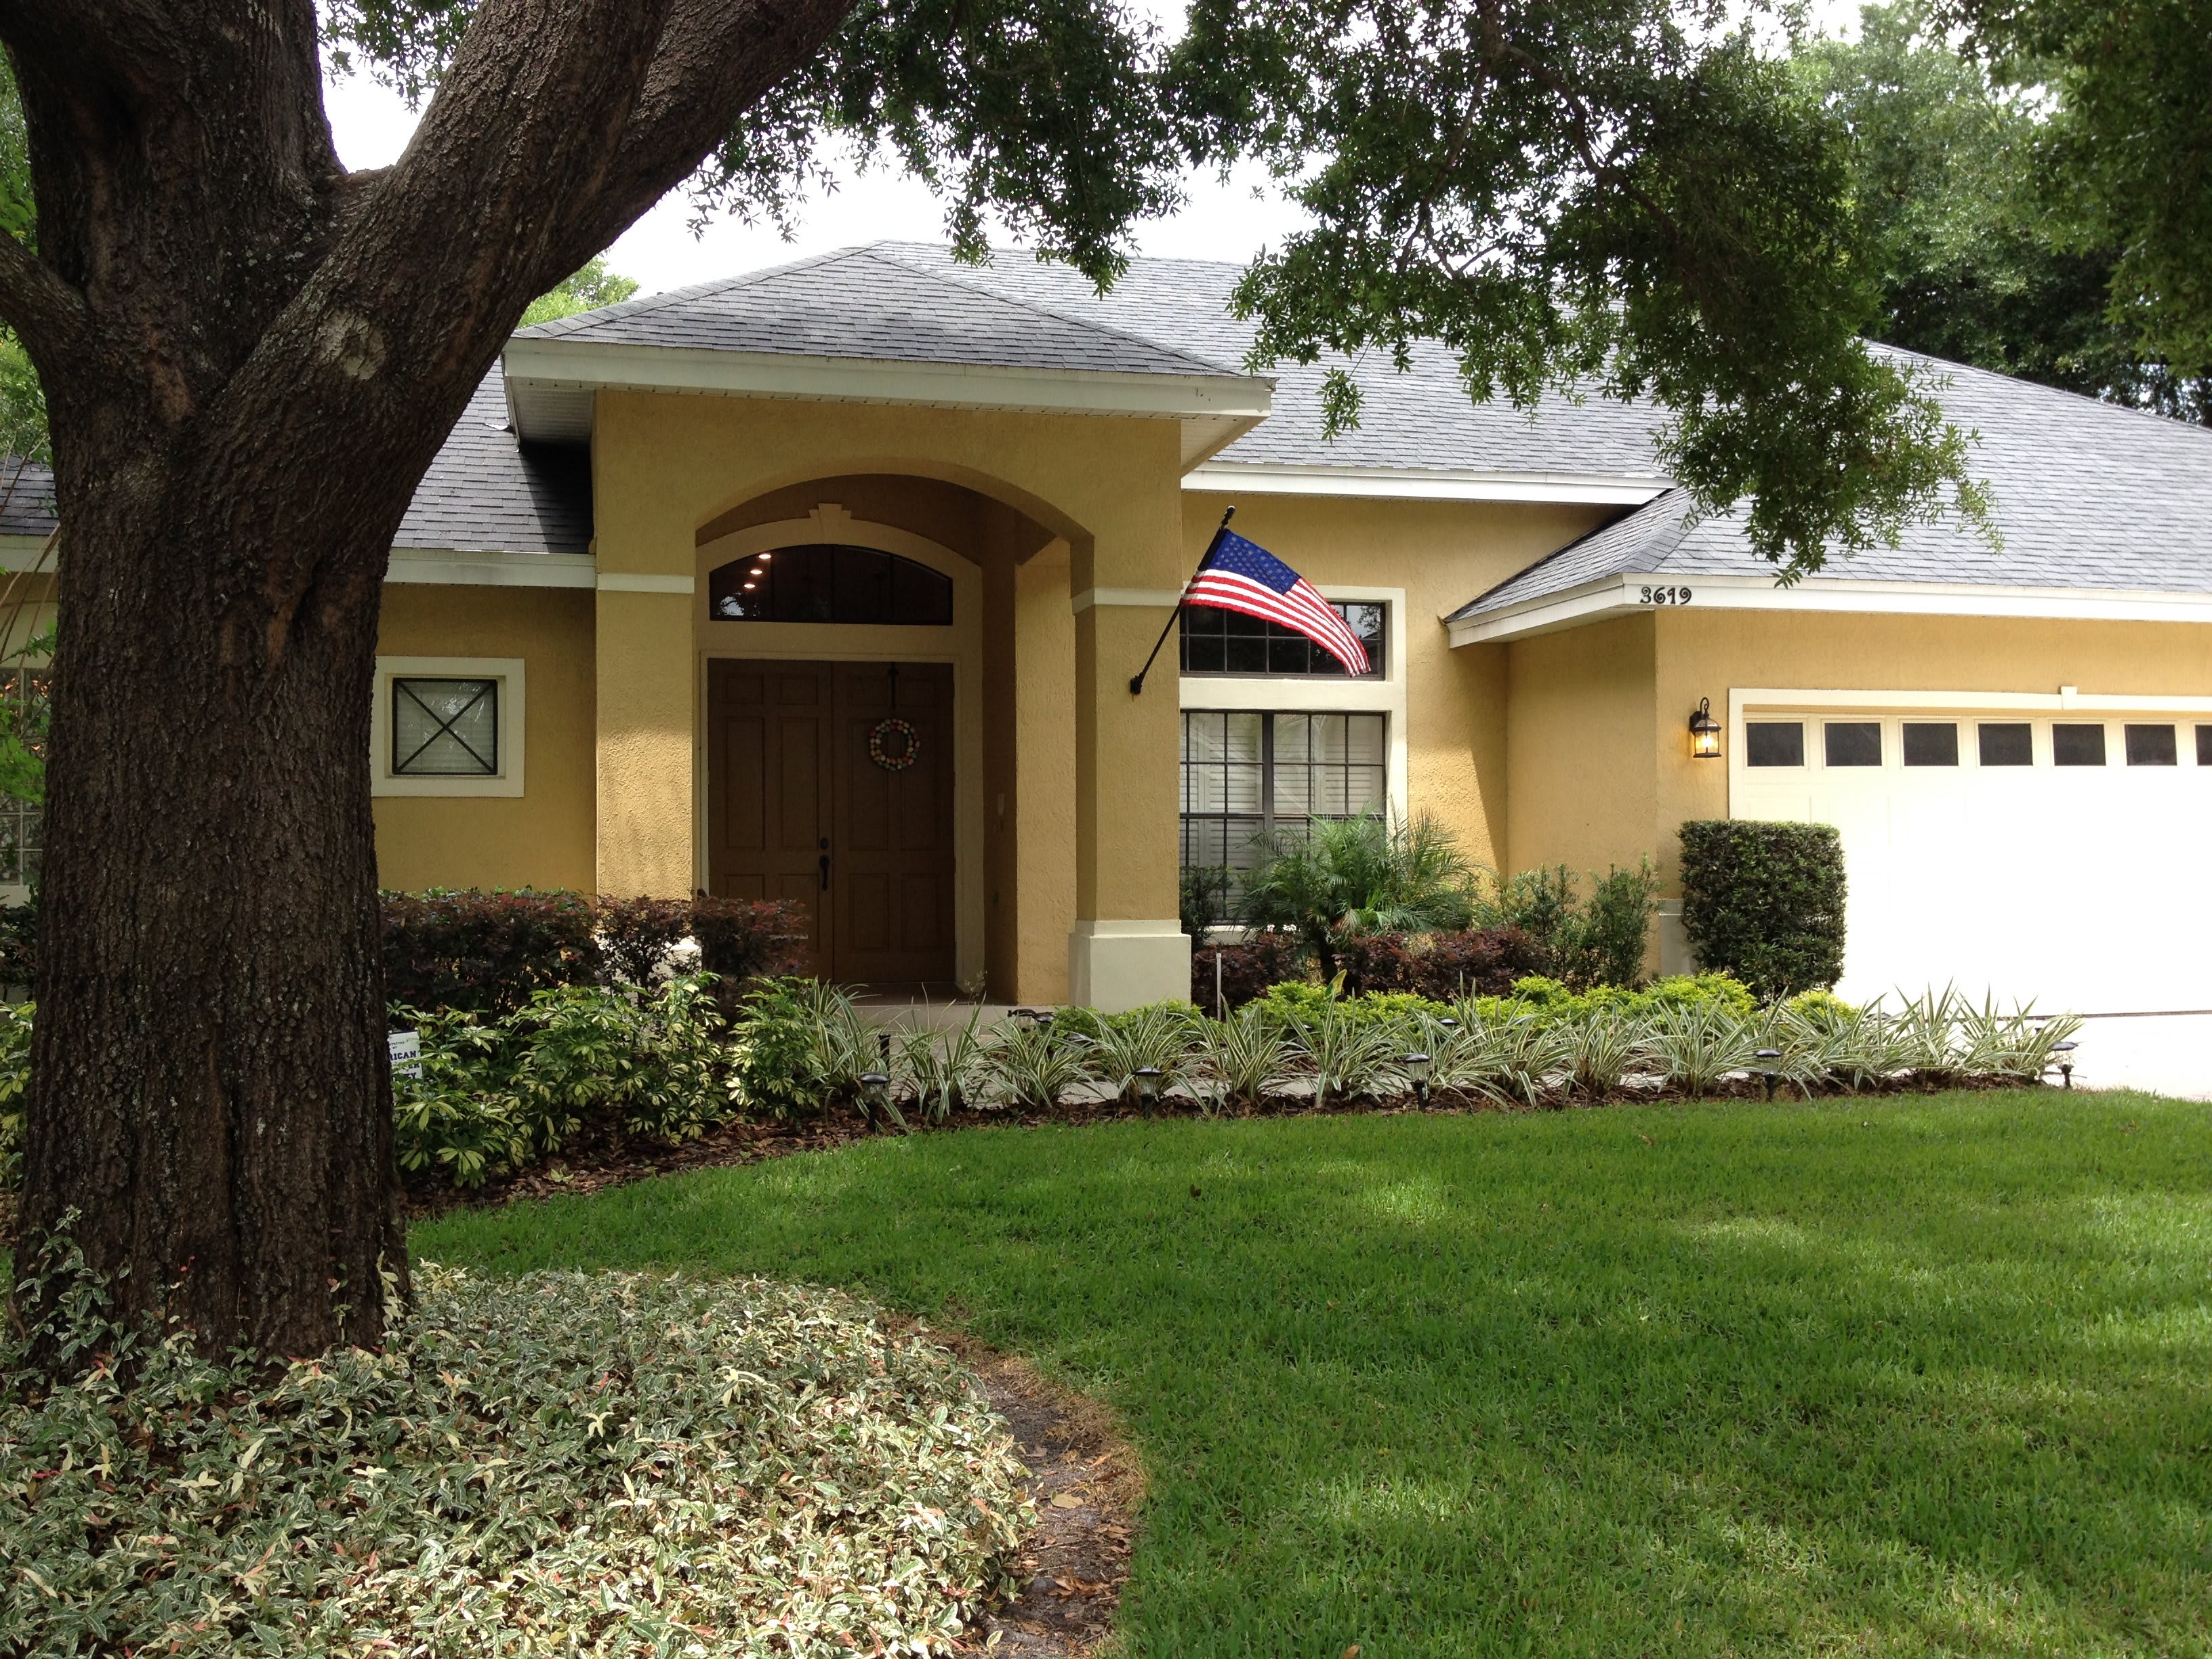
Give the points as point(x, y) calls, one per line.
point(790, 781)
point(894, 921)
point(770, 732)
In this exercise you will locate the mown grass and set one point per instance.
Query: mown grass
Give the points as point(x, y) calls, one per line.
point(1899, 1375)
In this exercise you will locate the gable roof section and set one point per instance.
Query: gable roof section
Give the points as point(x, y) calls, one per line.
point(2090, 497)
point(488, 493)
point(858, 326)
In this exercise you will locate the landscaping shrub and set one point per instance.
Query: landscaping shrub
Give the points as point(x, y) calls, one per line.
point(1333, 877)
point(15, 1079)
point(740, 940)
point(577, 1058)
point(1599, 940)
point(488, 952)
point(1246, 970)
point(19, 943)
point(637, 934)
point(1765, 901)
point(530, 1464)
point(1478, 962)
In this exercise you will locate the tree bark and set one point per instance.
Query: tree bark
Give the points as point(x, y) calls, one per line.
point(251, 358)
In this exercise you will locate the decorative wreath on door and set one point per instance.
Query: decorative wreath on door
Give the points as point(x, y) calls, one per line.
point(893, 744)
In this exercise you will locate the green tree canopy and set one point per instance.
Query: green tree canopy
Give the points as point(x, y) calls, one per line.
point(588, 290)
point(1974, 265)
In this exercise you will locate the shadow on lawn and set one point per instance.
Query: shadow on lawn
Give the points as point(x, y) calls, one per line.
point(1901, 1376)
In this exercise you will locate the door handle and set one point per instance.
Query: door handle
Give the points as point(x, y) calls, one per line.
point(825, 872)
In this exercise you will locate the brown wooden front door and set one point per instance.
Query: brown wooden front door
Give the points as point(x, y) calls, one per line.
point(799, 809)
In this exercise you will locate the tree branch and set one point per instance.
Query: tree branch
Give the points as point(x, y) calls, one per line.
point(46, 313)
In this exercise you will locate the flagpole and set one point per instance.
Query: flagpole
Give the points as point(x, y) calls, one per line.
point(1137, 680)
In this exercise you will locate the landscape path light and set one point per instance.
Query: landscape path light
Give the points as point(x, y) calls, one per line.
point(1417, 1067)
point(1147, 1079)
point(876, 1090)
point(1768, 1056)
point(1704, 732)
point(2065, 1050)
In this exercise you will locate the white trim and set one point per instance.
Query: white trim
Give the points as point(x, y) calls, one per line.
point(1300, 694)
point(1421, 483)
point(556, 365)
point(2066, 698)
point(630, 581)
point(1159, 598)
point(416, 564)
point(507, 670)
point(1622, 596)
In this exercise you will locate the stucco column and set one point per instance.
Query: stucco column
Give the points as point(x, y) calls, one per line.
point(645, 739)
point(1129, 947)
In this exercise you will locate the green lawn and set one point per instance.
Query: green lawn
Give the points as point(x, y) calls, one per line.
point(1917, 1375)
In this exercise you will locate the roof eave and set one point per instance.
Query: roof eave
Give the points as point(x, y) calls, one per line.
point(1606, 597)
point(551, 383)
point(1424, 483)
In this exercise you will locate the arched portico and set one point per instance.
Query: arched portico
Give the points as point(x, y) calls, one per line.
point(1064, 532)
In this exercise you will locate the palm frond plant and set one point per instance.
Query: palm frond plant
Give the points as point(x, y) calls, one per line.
point(1865, 1046)
point(1344, 1055)
point(1508, 1060)
point(1240, 1060)
point(2012, 1047)
point(1804, 1052)
point(1693, 1046)
point(1364, 874)
point(1034, 1067)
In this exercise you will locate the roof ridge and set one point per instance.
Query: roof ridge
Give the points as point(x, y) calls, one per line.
point(1134, 259)
point(560, 326)
point(1032, 306)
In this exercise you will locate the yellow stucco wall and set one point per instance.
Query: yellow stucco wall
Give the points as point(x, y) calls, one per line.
point(1441, 554)
point(1582, 785)
point(543, 837)
point(1044, 742)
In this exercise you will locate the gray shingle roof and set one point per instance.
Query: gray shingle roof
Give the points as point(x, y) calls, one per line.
point(2087, 494)
point(27, 489)
point(862, 303)
point(1419, 420)
point(488, 493)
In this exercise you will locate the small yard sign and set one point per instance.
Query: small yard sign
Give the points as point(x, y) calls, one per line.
point(407, 1053)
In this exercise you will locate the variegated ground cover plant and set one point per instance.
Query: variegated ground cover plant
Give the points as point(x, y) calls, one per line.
point(587, 1464)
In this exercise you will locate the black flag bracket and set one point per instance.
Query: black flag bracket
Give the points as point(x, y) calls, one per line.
point(1136, 679)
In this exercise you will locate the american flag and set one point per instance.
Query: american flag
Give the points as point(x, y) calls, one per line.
point(1244, 577)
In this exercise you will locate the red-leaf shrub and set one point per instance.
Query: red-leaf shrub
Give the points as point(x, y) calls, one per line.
point(748, 938)
point(485, 951)
point(637, 934)
point(1247, 970)
point(1442, 966)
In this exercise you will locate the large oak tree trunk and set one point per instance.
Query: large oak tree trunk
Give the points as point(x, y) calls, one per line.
point(250, 358)
point(209, 1064)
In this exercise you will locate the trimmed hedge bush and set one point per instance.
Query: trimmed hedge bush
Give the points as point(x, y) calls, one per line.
point(1481, 961)
point(491, 952)
point(1247, 970)
point(1765, 901)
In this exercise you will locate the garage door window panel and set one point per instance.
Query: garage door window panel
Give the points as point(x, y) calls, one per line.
point(1774, 743)
point(2151, 745)
point(1853, 743)
point(2077, 744)
point(1931, 743)
point(2006, 743)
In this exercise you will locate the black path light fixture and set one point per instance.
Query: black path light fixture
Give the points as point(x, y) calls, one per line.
point(876, 1093)
point(1148, 1079)
point(2064, 1051)
point(1767, 1059)
point(1704, 732)
point(1417, 1069)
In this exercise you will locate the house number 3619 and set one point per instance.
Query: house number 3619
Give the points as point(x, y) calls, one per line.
point(1666, 595)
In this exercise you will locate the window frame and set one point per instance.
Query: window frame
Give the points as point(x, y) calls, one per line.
point(1267, 820)
point(506, 675)
point(1380, 659)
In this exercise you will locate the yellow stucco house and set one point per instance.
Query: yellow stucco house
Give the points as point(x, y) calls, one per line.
point(827, 582)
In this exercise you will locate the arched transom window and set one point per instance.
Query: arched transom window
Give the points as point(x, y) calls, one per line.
point(828, 582)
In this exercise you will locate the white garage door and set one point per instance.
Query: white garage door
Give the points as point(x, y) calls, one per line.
point(2056, 858)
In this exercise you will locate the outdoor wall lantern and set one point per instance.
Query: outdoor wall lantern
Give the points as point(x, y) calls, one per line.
point(2065, 1050)
point(1704, 732)
point(1767, 1059)
point(1417, 1067)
